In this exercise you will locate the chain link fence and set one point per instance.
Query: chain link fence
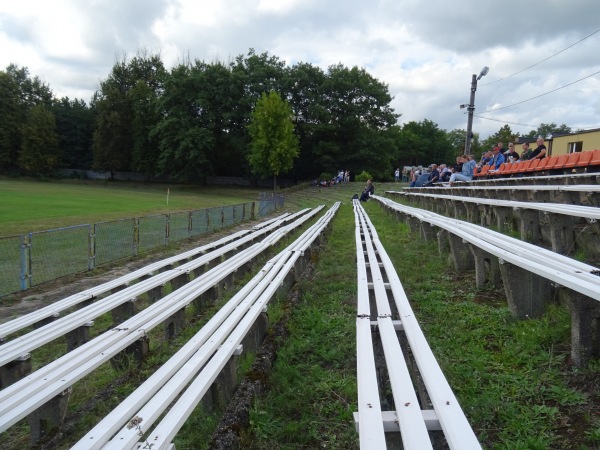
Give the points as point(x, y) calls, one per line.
point(31, 259)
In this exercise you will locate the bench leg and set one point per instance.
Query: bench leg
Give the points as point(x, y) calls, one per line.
point(461, 255)
point(562, 234)
point(527, 293)
point(49, 416)
point(529, 225)
point(487, 268)
point(585, 327)
point(14, 371)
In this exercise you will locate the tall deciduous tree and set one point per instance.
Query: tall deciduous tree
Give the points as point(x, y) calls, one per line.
point(546, 129)
point(19, 93)
point(11, 121)
point(125, 115)
point(504, 135)
point(39, 146)
point(424, 143)
point(274, 146)
point(75, 127)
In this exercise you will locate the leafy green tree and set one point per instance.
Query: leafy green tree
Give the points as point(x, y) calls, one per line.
point(126, 114)
point(19, 93)
point(39, 145)
point(75, 122)
point(192, 121)
point(504, 135)
point(546, 129)
point(11, 120)
point(274, 146)
point(344, 122)
point(423, 143)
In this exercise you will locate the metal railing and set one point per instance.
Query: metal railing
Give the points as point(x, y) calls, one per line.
point(34, 258)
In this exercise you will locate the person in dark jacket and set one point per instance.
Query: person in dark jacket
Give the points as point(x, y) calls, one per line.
point(368, 191)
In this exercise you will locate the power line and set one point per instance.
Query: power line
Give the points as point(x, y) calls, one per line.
point(541, 95)
point(504, 121)
point(537, 63)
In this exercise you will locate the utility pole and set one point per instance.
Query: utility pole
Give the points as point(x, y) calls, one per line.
point(471, 108)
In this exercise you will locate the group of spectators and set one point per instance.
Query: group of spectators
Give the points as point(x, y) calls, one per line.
point(343, 176)
point(498, 155)
point(465, 167)
point(462, 170)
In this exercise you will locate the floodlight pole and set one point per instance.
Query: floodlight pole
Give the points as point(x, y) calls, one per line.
point(471, 108)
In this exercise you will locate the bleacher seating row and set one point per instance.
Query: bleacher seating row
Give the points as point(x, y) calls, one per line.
point(32, 394)
point(384, 314)
point(529, 291)
point(573, 162)
point(53, 311)
point(176, 388)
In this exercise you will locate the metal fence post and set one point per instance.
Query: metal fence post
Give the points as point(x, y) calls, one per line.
point(92, 247)
point(136, 235)
point(25, 260)
point(167, 228)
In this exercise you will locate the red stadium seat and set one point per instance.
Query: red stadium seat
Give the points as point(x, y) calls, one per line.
point(515, 167)
point(532, 166)
point(584, 159)
point(572, 160)
point(502, 170)
point(595, 159)
point(559, 164)
point(523, 168)
point(550, 162)
point(543, 165)
point(484, 171)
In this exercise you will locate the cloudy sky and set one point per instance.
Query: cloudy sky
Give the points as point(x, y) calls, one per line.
point(425, 51)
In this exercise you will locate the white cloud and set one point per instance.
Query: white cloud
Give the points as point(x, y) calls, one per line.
point(425, 52)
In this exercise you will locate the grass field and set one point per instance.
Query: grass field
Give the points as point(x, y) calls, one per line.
point(27, 206)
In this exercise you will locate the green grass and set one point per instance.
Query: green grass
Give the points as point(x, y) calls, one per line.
point(37, 205)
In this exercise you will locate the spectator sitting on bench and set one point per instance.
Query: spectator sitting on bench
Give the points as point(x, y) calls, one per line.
point(434, 176)
point(445, 173)
point(468, 168)
point(368, 191)
point(497, 161)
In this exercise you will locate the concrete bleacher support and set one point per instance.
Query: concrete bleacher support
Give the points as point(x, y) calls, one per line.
point(123, 312)
point(503, 217)
point(529, 225)
point(443, 243)
point(461, 254)
point(428, 232)
point(46, 321)
point(78, 336)
point(487, 267)
point(48, 417)
point(15, 370)
point(206, 299)
point(585, 326)
point(174, 324)
point(135, 352)
point(155, 294)
point(527, 294)
point(180, 281)
point(562, 235)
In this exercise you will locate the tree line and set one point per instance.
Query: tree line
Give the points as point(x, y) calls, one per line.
point(194, 121)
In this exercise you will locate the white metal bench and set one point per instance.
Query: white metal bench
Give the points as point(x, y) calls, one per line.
point(26, 395)
point(199, 361)
point(57, 307)
point(410, 419)
point(581, 280)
